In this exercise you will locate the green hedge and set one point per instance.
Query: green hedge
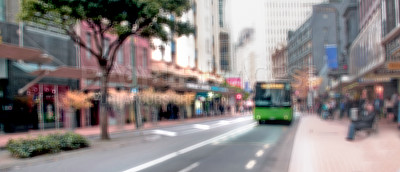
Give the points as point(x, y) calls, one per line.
point(53, 143)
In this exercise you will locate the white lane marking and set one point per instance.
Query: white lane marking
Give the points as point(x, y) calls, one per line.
point(241, 119)
point(190, 167)
point(190, 148)
point(190, 132)
point(224, 122)
point(250, 164)
point(259, 153)
point(201, 126)
point(165, 133)
point(151, 163)
point(152, 138)
point(216, 125)
point(266, 146)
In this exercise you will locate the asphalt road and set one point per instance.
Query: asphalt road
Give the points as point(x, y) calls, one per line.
point(233, 144)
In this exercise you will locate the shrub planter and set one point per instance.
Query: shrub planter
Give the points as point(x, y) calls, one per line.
point(53, 143)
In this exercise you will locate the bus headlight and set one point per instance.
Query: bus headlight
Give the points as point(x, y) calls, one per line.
point(258, 117)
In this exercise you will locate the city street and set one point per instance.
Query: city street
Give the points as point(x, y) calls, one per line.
point(230, 144)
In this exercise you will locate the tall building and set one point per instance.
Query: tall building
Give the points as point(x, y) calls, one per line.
point(244, 55)
point(280, 17)
point(9, 10)
point(307, 45)
point(212, 37)
point(204, 35)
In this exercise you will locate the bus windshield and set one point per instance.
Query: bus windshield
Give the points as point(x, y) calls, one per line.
point(272, 96)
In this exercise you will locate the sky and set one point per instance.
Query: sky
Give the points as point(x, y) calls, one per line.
point(242, 14)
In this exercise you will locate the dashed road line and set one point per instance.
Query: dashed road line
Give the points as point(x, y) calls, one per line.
point(190, 167)
point(190, 148)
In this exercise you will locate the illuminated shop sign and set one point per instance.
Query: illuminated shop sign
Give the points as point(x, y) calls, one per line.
point(272, 86)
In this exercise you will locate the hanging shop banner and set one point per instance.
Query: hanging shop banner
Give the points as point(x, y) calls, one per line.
point(247, 87)
point(331, 54)
point(236, 82)
point(219, 89)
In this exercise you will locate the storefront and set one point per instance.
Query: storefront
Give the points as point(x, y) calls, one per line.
point(377, 87)
point(47, 98)
point(210, 100)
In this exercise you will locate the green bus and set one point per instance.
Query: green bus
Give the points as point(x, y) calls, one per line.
point(272, 102)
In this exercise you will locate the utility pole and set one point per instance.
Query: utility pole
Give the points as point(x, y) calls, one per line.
point(135, 86)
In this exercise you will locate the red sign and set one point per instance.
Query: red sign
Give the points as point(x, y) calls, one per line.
point(239, 96)
point(234, 82)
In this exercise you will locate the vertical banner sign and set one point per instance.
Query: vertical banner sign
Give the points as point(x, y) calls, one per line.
point(247, 86)
point(331, 54)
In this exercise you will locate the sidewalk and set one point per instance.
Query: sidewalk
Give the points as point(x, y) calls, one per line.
point(95, 131)
point(320, 145)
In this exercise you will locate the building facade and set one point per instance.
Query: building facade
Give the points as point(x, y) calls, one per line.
point(306, 45)
point(213, 52)
point(369, 68)
point(279, 63)
point(28, 80)
point(281, 16)
point(391, 36)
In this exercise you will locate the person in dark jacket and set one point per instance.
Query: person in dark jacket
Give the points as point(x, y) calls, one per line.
point(365, 122)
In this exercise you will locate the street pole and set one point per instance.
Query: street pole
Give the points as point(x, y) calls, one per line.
point(138, 116)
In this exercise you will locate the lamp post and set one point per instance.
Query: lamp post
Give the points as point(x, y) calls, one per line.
point(135, 86)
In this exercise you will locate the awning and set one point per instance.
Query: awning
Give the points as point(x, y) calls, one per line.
point(79, 73)
point(29, 67)
point(68, 72)
point(14, 52)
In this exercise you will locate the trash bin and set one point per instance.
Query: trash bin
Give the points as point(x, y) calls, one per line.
point(354, 114)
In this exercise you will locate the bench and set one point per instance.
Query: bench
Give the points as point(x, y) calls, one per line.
point(372, 129)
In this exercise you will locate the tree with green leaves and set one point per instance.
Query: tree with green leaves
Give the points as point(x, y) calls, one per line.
point(123, 18)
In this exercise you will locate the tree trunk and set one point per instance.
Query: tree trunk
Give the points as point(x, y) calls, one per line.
point(103, 108)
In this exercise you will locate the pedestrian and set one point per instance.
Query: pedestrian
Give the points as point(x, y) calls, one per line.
point(378, 105)
point(398, 113)
point(395, 100)
point(365, 122)
point(342, 108)
point(389, 107)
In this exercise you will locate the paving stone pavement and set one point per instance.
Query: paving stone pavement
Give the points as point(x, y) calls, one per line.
point(320, 145)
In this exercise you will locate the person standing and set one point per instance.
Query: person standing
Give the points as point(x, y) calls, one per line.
point(342, 108)
point(378, 106)
point(395, 100)
point(388, 107)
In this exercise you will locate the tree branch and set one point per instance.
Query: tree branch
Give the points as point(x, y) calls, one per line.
point(78, 40)
point(92, 26)
point(114, 46)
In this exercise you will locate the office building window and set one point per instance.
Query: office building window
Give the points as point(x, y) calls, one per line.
point(145, 58)
point(120, 57)
point(390, 17)
point(2, 11)
point(88, 44)
point(106, 46)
